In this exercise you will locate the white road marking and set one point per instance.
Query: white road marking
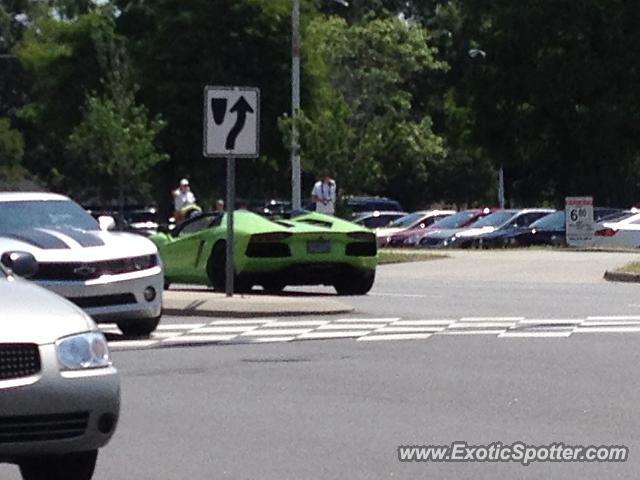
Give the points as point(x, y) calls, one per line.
point(534, 334)
point(242, 322)
point(398, 336)
point(297, 323)
point(616, 317)
point(276, 332)
point(181, 326)
point(475, 325)
point(394, 329)
point(186, 339)
point(491, 319)
point(337, 326)
point(222, 330)
point(470, 332)
point(584, 329)
point(591, 323)
point(420, 323)
point(263, 340)
point(367, 320)
point(551, 321)
point(328, 335)
point(407, 295)
point(131, 343)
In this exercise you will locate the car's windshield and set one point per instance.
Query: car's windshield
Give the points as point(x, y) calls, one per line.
point(553, 221)
point(26, 214)
point(456, 220)
point(407, 220)
point(494, 219)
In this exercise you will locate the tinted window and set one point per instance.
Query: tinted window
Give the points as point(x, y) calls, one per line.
point(528, 218)
point(197, 224)
point(553, 221)
point(407, 220)
point(377, 222)
point(494, 219)
point(23, 215)
point(456, 220)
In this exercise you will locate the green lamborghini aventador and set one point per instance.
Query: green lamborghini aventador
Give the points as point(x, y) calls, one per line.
point(307, 249)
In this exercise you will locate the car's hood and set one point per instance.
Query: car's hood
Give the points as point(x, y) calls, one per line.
point(31, 314)
point(387, 232)
point(472, 232)
point(69, 245)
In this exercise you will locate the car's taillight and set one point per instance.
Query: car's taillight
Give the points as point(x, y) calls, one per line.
point(269, 237)
point(606, 232)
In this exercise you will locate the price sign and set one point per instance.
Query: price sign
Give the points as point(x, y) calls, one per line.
point(579, 221)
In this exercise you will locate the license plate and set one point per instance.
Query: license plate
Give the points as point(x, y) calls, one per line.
point(318, 246)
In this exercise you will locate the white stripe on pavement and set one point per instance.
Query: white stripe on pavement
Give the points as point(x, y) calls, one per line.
point(394, 329)
point(398, 336)
point(340, 326)
point(491, 319)
point(315, 335)
point(420, 323)
point(199, 338)
point(297, 323)
point(275, 332)
point(367, 320)
point(180, 326)
point(534, 334)
point(583, 329)
point(614, 317)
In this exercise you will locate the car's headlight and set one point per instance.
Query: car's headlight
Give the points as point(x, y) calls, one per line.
point(80, 352)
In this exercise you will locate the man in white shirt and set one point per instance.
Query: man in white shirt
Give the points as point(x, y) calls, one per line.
point(324, 195)
point(182, 197)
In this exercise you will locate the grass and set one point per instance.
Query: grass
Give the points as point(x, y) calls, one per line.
point(633, 267)
point(386, 255)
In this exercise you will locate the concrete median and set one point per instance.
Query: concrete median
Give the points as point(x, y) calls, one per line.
point(206, 303)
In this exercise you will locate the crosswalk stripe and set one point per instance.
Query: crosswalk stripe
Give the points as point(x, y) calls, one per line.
point(180, 326)
point(367, 320)
point(315, 335)
point(615, 317)
point(131, 344)
point(622, 329)
point(227, 330)
point(186, 339)
point(534, 334)
point(491, 319)
point(476, 325)
point(470, 332)
point(297, 323)
point(360, 326)
point(276, 332)
point(420, 323)
point(397, 336)
point(394, 329)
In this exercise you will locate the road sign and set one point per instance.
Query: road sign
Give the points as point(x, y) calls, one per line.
point(231, 122)
point(579, 221)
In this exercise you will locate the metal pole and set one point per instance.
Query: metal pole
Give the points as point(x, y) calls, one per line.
point(501, 187)
point(296, 200)
point(231, 201)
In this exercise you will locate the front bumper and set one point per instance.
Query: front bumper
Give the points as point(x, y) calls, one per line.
point(62, 412)
point(114, 297)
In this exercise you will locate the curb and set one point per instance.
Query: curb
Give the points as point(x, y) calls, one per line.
point(622, 277)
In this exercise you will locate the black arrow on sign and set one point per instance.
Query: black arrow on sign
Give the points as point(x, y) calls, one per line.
point(241, 108)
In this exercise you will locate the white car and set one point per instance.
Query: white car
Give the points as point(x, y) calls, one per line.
point(623, 231)
point(114, 276)
point(59, 392)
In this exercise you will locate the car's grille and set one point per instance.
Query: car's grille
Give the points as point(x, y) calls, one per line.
point(104, 300)
point(18, 361)
point(93, 270)
point(361, 249)
point(37, 428)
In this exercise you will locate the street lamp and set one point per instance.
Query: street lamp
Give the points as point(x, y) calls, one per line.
point(296, 198)
point(481, 54)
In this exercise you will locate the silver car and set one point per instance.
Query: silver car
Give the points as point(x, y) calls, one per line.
point(59, 392)
point(113, 276)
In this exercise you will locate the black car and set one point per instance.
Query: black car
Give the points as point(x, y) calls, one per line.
point(551, 230)
point(369, 204)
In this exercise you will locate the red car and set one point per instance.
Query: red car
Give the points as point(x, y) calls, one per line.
point(410, 238)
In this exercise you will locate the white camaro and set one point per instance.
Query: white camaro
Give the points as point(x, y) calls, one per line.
point(623, 232)
point(113, 276)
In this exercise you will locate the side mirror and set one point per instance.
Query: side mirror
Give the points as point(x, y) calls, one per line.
point(22, 264)
point(106, 223)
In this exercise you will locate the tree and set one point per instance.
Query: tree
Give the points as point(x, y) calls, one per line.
point(362, 125)
point(115, 141)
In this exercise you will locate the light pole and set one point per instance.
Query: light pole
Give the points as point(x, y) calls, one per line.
point(296, 197)
point(481, 54)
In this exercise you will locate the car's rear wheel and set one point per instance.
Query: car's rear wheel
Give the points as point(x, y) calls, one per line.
point(142, 327)
point(76, 466)
point(273, 286)
point(355, 284)
point(216, 271)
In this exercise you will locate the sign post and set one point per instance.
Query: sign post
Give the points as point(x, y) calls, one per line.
point(231, 130)
point(580, 227)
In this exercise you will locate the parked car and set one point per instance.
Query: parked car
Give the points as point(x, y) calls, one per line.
point(309, 248)
point(619, 232)
point(411, 237)
point(59, 392)
point(357, 204)
point(465, 237)
point(416, 220)
point(377, 219)
point(503, 235)
point(551, 229)
point(114, 276)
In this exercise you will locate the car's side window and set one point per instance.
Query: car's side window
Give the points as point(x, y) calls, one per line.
point(196, 225)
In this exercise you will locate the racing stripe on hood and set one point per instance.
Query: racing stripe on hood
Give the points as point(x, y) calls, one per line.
point(86, 239)
point(38, 238)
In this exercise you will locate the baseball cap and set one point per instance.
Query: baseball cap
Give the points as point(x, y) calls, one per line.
point(184, 182)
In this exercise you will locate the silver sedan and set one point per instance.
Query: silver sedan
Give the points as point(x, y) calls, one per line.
point(59, 392)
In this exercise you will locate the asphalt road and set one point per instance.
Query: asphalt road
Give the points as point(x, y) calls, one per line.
point(340, 408)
